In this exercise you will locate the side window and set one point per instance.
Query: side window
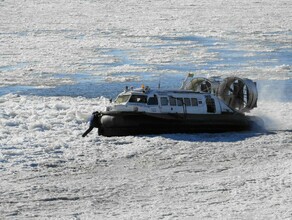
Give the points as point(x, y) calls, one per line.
point(179, 101)
point(164, 101)
point(152, 101)
point(194, 102)
point(138, 98)
point(187, 101)
point(172, 101)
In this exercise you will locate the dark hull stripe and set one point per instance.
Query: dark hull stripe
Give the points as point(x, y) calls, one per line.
point(131, 123)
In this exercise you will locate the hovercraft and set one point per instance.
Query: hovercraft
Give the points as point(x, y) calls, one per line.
point(200, 105)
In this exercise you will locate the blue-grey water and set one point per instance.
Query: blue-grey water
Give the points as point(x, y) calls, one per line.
point(228, 57)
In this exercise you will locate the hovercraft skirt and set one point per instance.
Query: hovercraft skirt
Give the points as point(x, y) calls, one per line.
point(131, 123)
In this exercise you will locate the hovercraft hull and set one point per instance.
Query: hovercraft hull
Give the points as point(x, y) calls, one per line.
point(136, 123)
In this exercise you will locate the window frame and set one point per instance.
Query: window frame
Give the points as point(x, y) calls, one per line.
point(165, 102)
point(152, 103)
point(187, 101)
point(172, 101)
point(124, 98)
point(143, 99)
point(194, 102)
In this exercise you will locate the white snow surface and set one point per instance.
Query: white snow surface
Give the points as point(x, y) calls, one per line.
point(43, 38)
point(48, 171)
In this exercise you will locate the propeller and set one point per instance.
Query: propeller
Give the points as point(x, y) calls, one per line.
point(240, 94)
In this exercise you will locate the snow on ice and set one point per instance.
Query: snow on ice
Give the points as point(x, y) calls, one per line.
point(62, 60)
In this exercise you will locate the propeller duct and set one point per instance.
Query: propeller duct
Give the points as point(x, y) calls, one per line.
point(240, 94)
point(202, 84)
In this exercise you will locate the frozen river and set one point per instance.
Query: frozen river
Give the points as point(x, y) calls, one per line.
point(62, 60)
